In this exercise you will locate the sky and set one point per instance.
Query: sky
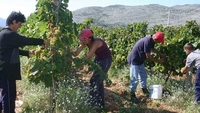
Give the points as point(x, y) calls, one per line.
point(28, 6)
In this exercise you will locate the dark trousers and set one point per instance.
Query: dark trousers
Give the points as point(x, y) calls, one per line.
point(8, 95)
point(96, 83)
point(197, 86)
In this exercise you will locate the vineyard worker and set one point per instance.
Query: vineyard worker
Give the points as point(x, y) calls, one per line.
point(102, 57)
point(136, 58)
point(193, 59)
point(10, 41)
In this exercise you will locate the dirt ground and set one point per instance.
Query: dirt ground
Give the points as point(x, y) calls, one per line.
point(118, 93)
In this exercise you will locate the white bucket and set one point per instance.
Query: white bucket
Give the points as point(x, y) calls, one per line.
point(155, 91)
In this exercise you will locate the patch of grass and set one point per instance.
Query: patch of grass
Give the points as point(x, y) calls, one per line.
point(70, 95)
point(173, 94)
point(119, 73)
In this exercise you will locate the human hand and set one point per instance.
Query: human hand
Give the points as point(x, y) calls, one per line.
point(32, 51)
point(82, 43)
point(71, 51)
point(46, 44)
point(183, 70)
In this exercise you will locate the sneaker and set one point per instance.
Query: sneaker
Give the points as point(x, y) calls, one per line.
point(134, 99)
point(145, 91)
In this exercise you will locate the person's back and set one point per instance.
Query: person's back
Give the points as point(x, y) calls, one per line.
point(137, 55)
point(136, 58)
point(194, 59)
point(103, 52)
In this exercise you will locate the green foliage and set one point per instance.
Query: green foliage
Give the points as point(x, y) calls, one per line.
point(121, 40)
point(173, 92)
point(176, 38)
point(52, 66)
point(71, 94)
point(54, 24)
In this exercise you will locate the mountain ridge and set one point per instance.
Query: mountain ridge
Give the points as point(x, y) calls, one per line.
point(154, 14)
point(122, 15)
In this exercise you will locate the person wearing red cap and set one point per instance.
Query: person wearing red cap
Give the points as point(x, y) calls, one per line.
point(136, 58)
point(103, 57)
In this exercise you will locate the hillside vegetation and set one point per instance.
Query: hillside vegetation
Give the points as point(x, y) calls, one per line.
point(121, 15)
point(55, 82)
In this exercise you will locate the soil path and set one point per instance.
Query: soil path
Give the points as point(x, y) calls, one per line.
point(117, 96)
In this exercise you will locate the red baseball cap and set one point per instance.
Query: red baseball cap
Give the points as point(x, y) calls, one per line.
point(160, 36)
point(85, 34)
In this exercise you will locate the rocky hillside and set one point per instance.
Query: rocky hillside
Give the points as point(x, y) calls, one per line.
point(120, 15)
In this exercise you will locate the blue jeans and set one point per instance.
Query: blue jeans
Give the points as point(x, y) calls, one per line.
point(8, 95)
point(197, 86)
point(96, 83)
point(137, 72)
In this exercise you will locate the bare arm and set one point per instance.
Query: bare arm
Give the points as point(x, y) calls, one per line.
point(148, 55)
point(93, 48)
point(184, 69)
point(77, 52)
point(158, 52)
